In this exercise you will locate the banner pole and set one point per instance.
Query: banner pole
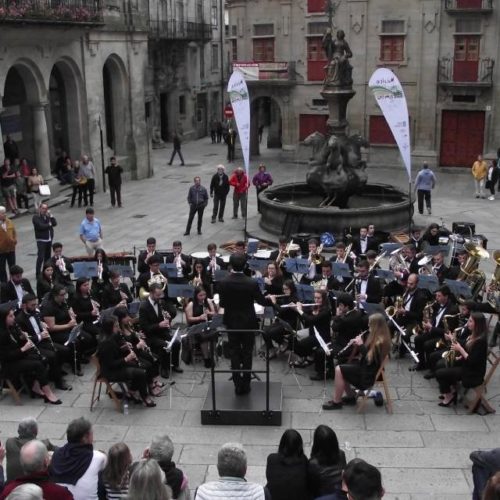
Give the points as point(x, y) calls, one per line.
point(410, 205)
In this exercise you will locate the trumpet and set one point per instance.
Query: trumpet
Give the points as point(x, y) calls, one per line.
point(61, 264)
point(100, 269)
point(283, 254)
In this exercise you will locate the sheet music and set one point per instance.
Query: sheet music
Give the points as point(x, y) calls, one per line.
point(322, 343)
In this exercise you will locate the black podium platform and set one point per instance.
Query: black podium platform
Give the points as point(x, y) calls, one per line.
point(248, 409)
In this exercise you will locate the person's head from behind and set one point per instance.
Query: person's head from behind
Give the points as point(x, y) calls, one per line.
point(325, 448)
point(147, 482)
point(362, 481)
point(27, 428)
point(26, 491)
point(79, 431)
point(291, 444)
point(237, 262)
point(119, 460)
point(161, 449)
point(232, 460)
point(34, 457)
point(492, 489)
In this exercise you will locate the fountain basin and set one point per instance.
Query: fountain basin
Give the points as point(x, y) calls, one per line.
point(293, 208)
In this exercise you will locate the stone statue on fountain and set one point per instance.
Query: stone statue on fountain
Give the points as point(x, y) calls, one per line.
point(336, 168)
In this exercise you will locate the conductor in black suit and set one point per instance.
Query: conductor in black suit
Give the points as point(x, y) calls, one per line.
point(237, 296)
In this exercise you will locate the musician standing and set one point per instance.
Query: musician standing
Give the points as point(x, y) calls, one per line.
point(363, 243)
point(212, 264)
point(155, 316)
point(237, 296)
point(182, 263)
point(62, 268)
point(145, 255)
point(367, 288)
point(219, 189)
point(43, 224)
point(197, 200)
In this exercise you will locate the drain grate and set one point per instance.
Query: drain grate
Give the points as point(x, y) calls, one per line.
point(139, 216)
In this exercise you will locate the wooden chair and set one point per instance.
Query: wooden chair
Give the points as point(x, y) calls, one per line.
point(11, 389)
point(380, 378)
point(99, 380)
point(479, 396)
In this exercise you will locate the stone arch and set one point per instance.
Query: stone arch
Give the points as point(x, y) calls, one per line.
point(266, 110)
point(67, 107)
point(115, 92)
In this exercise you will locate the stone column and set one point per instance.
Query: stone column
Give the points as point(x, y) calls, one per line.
point(41, 139)
point(1, 135)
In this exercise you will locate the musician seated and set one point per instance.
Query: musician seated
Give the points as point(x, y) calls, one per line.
point(433, 328)
point(394, 289)
point(361, 374)
point(461, 258)
point(145, 255)
point(367, 288)
point(153, 274)
point(118, 363)
point(363, 243)
point(326, 279)
point(155, 315)
point(19, 357)
point(416, 240)
point(318, 316)
point(410, 256)
point(45, 280)
point(181, 261)
point(62, 268)
point(438, 268)
point(115, 293)
point(315, 259)
point(60, 320)
point(137, 342)
point(16, 287)
point(278, 332)
point(469, 365)
point(347, 324)
point(371, 258)
point(273, 280)
point(200, 310)
point(55, 354)
point(430, 236)
point(85, 308)
point(342, 257)
point(102, 278)
point(199, 276)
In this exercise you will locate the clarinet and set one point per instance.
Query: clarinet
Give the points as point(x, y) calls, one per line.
point(20, 335)
point(124, 346)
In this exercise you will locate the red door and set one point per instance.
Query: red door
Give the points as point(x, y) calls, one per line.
point(465, 68)
point(462, 137)
point(312, 123)
point(316, 59)
point(469, 4)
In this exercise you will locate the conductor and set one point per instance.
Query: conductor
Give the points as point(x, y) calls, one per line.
point(237, 296)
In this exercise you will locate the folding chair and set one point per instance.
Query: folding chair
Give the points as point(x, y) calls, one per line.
point(98, 379)
point(479, 397)
point(11, 388)
point(380, 378)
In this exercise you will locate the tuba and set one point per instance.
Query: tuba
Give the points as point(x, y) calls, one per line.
point(469, 272)
point(493, 296)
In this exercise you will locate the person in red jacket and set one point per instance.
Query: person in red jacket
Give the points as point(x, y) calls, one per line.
point(239, 180)
point(35, 461)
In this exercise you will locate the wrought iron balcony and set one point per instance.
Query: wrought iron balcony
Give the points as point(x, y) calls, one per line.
point(461, 6)
point(51, 11)
point(180, 30)
point(267, 73)
point(466, 73)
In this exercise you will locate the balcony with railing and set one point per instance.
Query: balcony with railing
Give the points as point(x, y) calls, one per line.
point(267, 73)
point(180, 30)
point(459, 73)
point(79, 12)
point(464, 6)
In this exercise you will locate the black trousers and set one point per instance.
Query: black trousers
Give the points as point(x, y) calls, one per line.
point(116, 194)
point(447, 377)
point(230, 152)
point(7, 260)
point(133, 374)
point(36, 369)
point(240, 349)
point(82, 193)
point(90, 190)
point(425, 344)
point(274, 332)
point(157, 344)
point(193, 209)
point(219, 206)
point(306, 346)
point(43, 254)
point(421, 195)
point(53, 360)
point(178, 152)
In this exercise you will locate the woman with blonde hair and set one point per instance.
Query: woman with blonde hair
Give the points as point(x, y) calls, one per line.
point(147, 482)
point(361, 373)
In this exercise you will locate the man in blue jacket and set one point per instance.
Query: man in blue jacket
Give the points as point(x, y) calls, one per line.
point(197, 200)
point(424, 184)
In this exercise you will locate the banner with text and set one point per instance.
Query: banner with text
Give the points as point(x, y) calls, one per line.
point(391, 99)
point(240, 101)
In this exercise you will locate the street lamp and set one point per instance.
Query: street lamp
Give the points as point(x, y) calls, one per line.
point(102, 153)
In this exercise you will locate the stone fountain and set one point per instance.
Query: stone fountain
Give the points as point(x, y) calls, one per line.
point(336, 193)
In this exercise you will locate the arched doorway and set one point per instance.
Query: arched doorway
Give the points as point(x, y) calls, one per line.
point(113, 75)
point(266, 117)
point(24, 116)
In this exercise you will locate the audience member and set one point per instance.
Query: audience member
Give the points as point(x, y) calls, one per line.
point(35, 462)
point(147, 482)
point(485, 463)
point(76, 465)
point(287, 471)
point(8, 242)
point(362, 481)
point(28, 491)
point(232, 467)
point(114, 478)
point(492, 490)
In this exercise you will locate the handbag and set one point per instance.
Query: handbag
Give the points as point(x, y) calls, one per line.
point(44, 190)
point(82, 181)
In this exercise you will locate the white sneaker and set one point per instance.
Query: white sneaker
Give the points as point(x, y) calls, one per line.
point(491, 198)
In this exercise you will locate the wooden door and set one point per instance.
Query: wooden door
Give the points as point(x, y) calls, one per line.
point(466, 61)
point(462, 137)
point(312, 123)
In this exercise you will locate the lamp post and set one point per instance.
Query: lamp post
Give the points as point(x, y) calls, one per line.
point(102, 154)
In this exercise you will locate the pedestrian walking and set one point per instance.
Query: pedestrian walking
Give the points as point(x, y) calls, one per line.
point(10, 149)
point(88, 171)
point(91, 232)
point(8, 242)
point(231, 144)
point(115, 172)
point(219, 131)
point(424, 184)
point(213, 130)
point(261, 180)
point(479, 172)
point(239, 180)
point(177, 149)
point(219, 189)
point(43, 224)
point(197, 200)
point(492, 178)
point(260, 131)
point(497, 163)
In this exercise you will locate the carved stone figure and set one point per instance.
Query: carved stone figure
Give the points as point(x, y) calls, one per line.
point(338, 53)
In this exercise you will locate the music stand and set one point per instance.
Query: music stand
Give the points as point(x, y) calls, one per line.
point(371, 308)
point(169, 270)
point(305, 293)
point(258, 264)
point(389, 247)
point(326, 352)
point(252, 246)
point(72, 337)
point(297, 266)
point(168, 348)
point(429, 282)
point(220, 274)
point(291, 367)
point(385, 274)
point(85, 269)
point(434, 249)
point(341, 269)
point(133, 307)
point(459, 288)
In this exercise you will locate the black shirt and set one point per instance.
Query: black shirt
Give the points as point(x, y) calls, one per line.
point(114, 175)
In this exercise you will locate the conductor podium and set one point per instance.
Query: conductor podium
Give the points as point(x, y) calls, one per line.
point(261, 406)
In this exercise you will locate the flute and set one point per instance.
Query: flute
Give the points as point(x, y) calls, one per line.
point(351, 342)
point(295, 305)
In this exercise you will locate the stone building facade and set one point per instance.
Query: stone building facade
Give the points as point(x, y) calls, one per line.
point(69, 70)
point(443, 52)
